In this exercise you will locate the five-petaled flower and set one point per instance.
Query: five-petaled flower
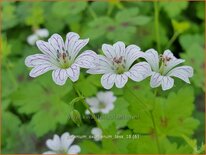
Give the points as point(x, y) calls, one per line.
point(116, 65)
point(164, 67)
point(61, 57)
point(103, 102)
point(62, 145)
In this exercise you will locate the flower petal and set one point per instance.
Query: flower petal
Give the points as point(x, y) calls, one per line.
point(156, 80)
point(93, 101)
point(74, 149)
point(75, 46)
point(132, 53)
point(37, 59)
point(183, 72)
point(66, 140)
point(41, 69)
point(173, 61)
point(59, 76)
point(151, 56)
point(108, 80)
point(70, 36)
point(139, 71)
point(119, 48)
point(54, 144)
point(46, 48)
point(102, 65)
point(121, 80)
point(86, 59)
point(109, 51)
point(43, 33)
point(57, 43)
point(73, 72)
point(31, 39)
point(167, 82)
point(49, 152)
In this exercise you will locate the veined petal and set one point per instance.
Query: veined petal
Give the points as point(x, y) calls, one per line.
point(168, 54)
point(59, 76)
point(102, 65)
point(41, 69)
point(167, 82)
point(86, 59)
point(151, 56)
point(171, 64)
point(37, 59)
point(119, 48)
point(108, 80)
point(54, 144)
point(121, 80)
point(70, 36)
point(74, 149)
point(156, 80)
point(57, 43)
point(75, 46)
point(73, 72)
point(139, 71)
point(67, 140)
point(132, 53)
point(183, 72)
point(46, 48)
point(109, 51)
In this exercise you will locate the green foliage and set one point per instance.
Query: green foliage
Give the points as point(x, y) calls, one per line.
point(171, 115)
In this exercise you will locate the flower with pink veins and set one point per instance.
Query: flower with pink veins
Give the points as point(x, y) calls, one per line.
point(61, 57)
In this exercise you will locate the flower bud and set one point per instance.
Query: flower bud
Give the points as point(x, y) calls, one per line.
point(76, 117)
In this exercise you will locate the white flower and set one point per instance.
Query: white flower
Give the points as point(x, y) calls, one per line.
point(116, 65)
point(62, 145)
point(97, 133)
point(31, 39)
point(38, 34)
point(61, 57)
point(42, 33)
point(164, 67)
point(103, 102)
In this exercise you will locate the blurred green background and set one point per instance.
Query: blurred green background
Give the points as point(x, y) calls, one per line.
point(33, 110)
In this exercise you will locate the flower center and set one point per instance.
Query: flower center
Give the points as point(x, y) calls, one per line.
point(163, 63)
point(64, 59)
point(119, 63)
point(102, 105)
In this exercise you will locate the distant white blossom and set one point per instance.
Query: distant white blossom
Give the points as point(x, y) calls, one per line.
point(164, 67)
point(103, 102)
point(116, 65)
point(38, 34)
point(62, 145)
point(97, 133)
point(61, 57)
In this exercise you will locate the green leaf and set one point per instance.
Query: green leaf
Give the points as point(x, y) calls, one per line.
point(194, 56)
point(44, 99)
point(172, 115)
point(173, 8)
point(180, 27)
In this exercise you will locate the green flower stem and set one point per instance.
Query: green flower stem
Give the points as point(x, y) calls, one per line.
point(156, 23)
point(88, 108)
point(170, 42)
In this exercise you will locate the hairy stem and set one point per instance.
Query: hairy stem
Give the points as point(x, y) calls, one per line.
point(156, 23)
